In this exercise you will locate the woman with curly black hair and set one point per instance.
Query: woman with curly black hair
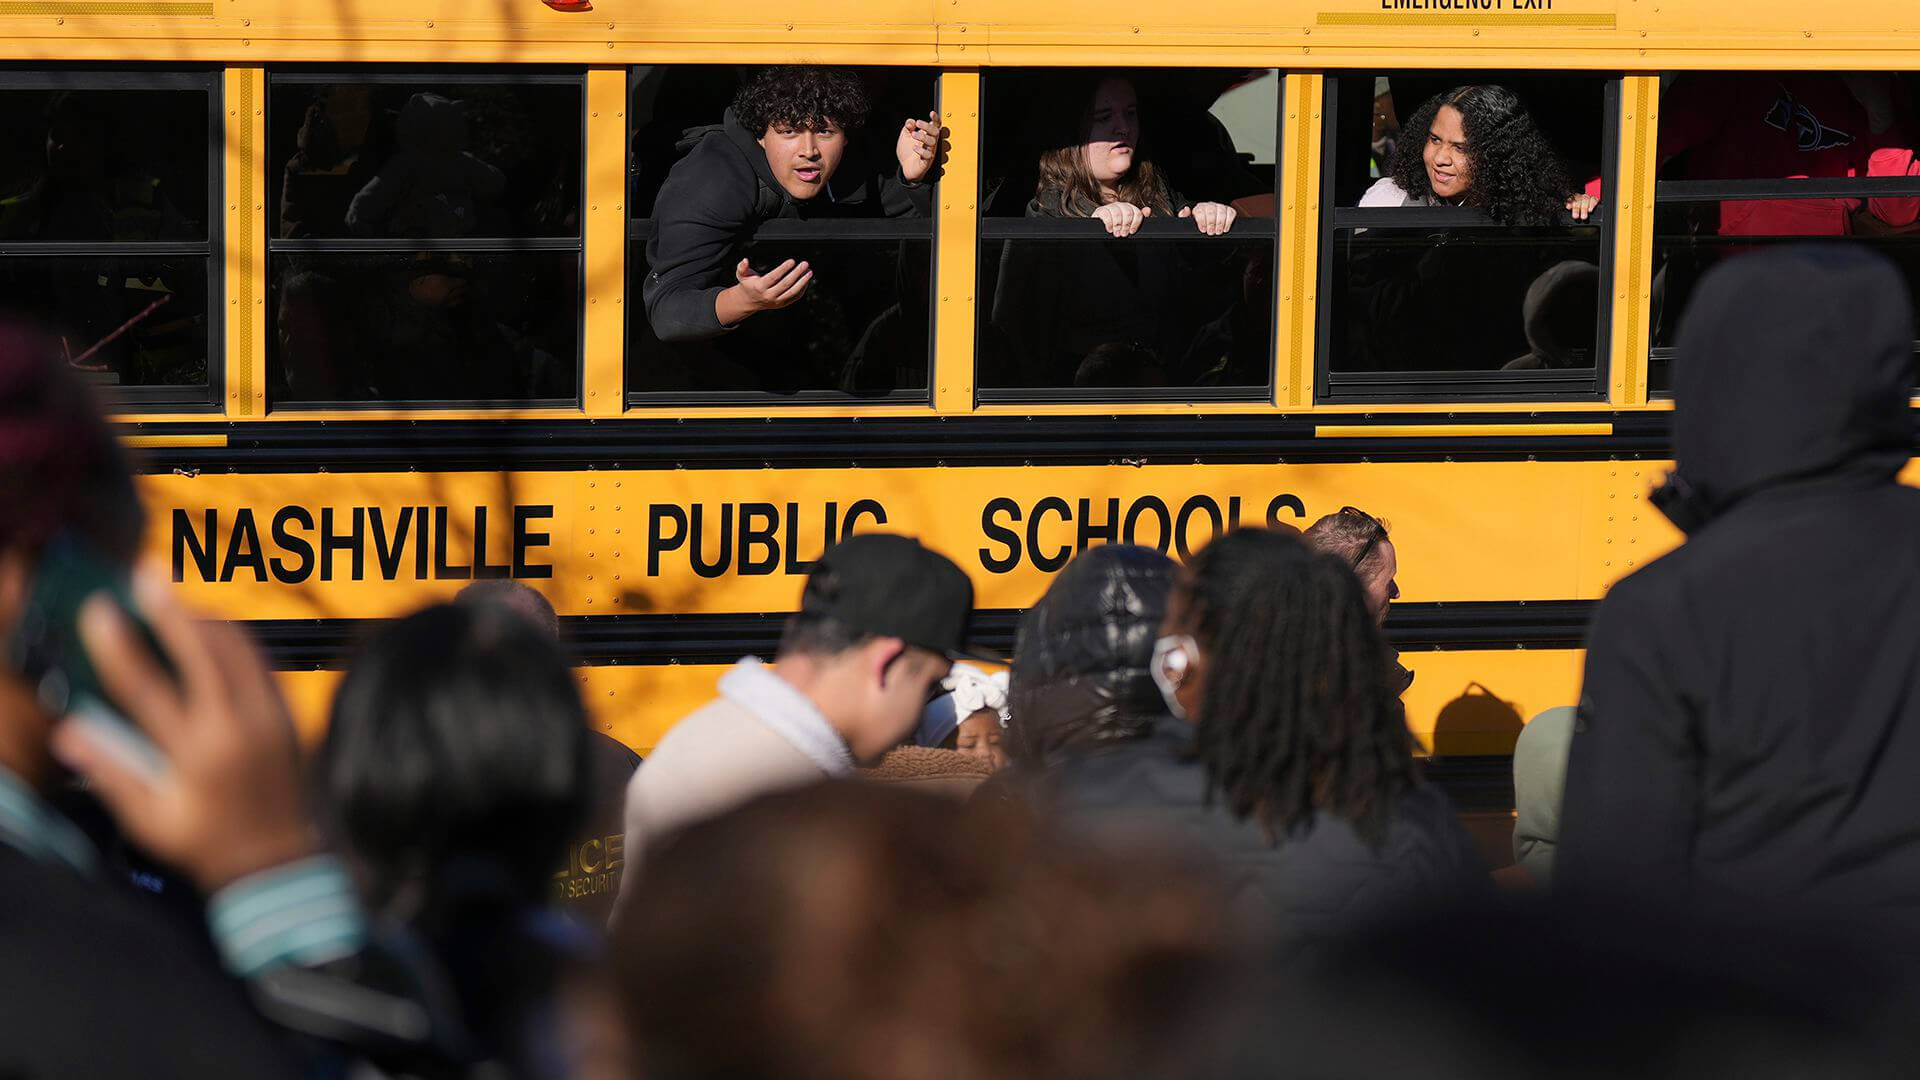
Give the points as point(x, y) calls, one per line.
point(1283, 752)
point(1480, 148)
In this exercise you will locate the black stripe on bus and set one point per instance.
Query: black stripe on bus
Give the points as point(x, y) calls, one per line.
point(882, 442)
point(1480, 782)
point(604, 640)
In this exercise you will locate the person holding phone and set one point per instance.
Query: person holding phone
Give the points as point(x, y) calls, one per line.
point(61, 922)
point(178, 729)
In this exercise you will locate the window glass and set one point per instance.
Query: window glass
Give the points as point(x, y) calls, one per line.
point(778, 246)
point(425, 160)
point(862, 328)
point(427, 240)
point(99, 166)
point(1464, 300)
point(122, 320)
point(1686, 245)
point(105, 208)
point(1129, 232)
point(1140, 312)
point(1450, 250)
point(1739, 152)
point(424, 326)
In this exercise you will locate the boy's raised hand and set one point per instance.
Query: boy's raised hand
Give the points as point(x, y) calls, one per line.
point(921, 146)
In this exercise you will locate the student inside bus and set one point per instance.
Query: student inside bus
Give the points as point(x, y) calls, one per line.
point(1741, 126)
point(1109, 315)
point(785, 149)
point(1481, 149)
point(1761, 126)
point(1107, 174)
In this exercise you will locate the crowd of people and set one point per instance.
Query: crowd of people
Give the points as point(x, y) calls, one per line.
point(1181, 831)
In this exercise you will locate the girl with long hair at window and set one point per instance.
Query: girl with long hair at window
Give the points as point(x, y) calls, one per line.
point(1106, 173)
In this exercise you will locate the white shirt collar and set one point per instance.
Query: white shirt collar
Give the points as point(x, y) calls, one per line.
point(754, 687)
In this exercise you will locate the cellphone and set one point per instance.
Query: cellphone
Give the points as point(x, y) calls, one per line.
point(47, 651)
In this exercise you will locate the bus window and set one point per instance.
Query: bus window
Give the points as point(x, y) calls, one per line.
point(108, 216)
point(1457, 264)
point(776, 254)
point(1754, 159)
point(1127, 246)
point(426, 243)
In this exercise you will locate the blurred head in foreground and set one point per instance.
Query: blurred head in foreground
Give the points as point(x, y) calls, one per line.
point(457, 749)
point(62, 477)
point(851, 930)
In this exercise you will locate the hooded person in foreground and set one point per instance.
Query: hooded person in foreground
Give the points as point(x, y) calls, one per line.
point(1749, 732)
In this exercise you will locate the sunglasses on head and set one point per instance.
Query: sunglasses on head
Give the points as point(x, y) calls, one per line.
point(1375, 534)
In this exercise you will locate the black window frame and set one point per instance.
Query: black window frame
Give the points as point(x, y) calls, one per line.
point(453, 75)
point(1675, 192)
point(640, 230)
point(1417, 387)
point(1002, 229)
point(142, 400)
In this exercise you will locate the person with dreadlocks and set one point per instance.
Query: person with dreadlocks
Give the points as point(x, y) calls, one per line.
point(1284, 755)
point(1480, 148)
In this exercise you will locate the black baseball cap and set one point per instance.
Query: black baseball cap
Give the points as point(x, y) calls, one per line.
point(893, 586)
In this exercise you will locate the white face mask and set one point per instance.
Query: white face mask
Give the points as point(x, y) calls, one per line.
point(1172, 659)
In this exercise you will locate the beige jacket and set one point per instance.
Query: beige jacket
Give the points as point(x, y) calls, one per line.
point(759, 736)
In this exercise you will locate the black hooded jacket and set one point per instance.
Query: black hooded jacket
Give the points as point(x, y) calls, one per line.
point(713, 200)
point(1080, 676)
point(1749, 731)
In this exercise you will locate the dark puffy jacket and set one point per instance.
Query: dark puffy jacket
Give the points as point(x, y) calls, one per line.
point(1080, 664)
point(713, 200)
point(1750, 725)
point(1310, 886)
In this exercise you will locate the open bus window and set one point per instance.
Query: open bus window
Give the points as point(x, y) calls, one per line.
point(1464, 252)
point(107, 214)
point(426, 247)
point(1757, 159)
point(1127, 246)
point(773, 250)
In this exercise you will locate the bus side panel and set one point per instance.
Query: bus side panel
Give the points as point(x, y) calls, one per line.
point(1462, 703)
point(371, 545)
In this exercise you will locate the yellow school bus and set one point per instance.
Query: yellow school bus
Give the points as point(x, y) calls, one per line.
point(350, 405)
